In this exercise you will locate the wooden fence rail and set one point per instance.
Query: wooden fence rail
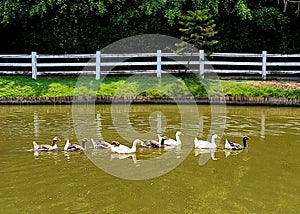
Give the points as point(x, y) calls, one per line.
point(102, 63)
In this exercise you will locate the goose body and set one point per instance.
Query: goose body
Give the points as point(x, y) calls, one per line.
point(122, 149)
point(75, 147)
point(172, 142)
point(46, 147)
point(235, 146)
point(204, 144)
point(153, 143)
point(100, 144)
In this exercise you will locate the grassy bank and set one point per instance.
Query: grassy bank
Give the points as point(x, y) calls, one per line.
point(17, 86)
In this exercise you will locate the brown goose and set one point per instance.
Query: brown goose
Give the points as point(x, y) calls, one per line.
point(101, 144)
point(154, 143)
point(75, 147)
point(46, 147)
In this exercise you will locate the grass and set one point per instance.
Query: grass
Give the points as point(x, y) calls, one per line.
point(19, 86)
point(248, 90)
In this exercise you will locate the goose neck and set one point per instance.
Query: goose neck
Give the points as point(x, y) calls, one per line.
point(67, 145)
point(178, 139)
point(213, 141)
point(54, 142)
point(83, 144)
point(133, 148)
point(93, 142)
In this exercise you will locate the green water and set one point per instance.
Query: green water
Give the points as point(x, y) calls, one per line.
point(263, 179)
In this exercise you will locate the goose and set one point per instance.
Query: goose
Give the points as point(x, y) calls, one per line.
point(236, 146)
point(101, 144)
point(75, 147)
point(172, 142)
point(154, 143)
point(203, 144)
point(46, 147)
point(122, 149)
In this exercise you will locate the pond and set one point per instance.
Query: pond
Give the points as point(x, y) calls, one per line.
point(262, 179)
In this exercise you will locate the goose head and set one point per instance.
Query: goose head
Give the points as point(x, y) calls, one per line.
point(215, 136)
point(178, 133)
point(245, 138)
point(55, 140)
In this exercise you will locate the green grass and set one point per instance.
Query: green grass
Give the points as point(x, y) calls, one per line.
point(245, 89)
point(18, 86)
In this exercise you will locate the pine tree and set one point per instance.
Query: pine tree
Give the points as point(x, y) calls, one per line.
point(198, 29)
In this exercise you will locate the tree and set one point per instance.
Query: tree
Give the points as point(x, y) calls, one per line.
point(198, 29)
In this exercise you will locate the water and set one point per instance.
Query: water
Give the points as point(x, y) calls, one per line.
point(262, 179)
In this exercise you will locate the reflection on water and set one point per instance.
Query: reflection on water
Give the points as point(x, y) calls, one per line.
point(215, 154)
point(263, 178)
point(205, 155)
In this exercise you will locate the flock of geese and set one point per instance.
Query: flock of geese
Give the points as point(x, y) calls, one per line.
point(162, 142)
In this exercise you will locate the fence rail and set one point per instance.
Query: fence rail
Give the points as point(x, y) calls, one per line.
point(159, 62)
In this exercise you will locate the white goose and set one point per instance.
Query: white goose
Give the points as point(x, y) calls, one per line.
point(122, 149)
point(203, 144)
point(235, 146)
point(172, 142)
point(46, 147)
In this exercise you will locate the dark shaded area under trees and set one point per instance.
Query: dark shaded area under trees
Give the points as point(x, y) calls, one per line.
point(85, 26)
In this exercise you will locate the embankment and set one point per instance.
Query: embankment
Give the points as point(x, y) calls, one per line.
point(227, 100)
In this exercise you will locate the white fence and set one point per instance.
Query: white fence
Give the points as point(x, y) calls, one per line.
point(102, 63)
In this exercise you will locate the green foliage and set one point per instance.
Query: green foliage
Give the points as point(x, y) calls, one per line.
point(198, 29)
point(270, 19)
point(246, 89)
point(26, 87)
point(154, 87)
point(196, 86)
point(85, 26)
point(242, 10)
point(58, 89)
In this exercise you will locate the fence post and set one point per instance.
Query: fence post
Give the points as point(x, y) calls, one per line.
point(158, 68)
point(264, 64)
point(98, 64)
point(33, 65)
point(201, 60)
